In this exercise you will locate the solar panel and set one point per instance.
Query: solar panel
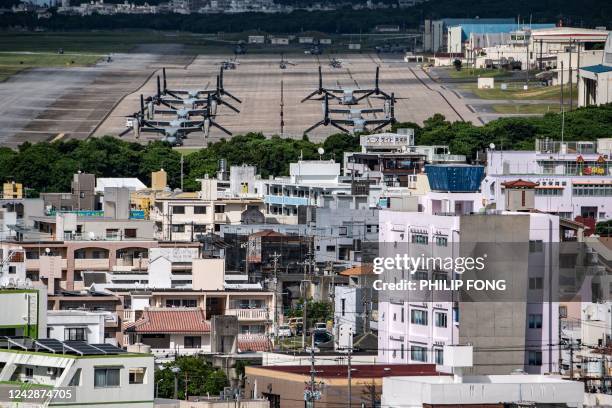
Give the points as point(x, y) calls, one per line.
point(83, 348)
point(52, 345)
point(109, 348)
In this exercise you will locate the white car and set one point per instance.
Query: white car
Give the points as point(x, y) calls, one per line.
point(320, 326)
point(284, 330)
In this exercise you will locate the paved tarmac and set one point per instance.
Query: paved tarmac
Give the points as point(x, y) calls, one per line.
point(53, 103)
point(48, 104)
point(257, 82)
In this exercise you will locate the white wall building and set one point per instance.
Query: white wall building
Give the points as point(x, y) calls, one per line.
point(595, 84)
point(573, 178)
point(459, 390)
point(308, 180)
point(122, 379)
point(79, 325)
point(415, 325)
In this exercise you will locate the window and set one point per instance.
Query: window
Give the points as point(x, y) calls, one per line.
point(439, 356)
point(199, 227)
point(562, 312)
point(178, 209)
point(402, 348)
point(342, 230)
point(442, 241)
point(112, 233)
point(441, 319)
point(12, 269)
point(75, 381)
point(129, 233)
point(420, 275)
point(549, 191)
point(181, 303)
point(75, 333)
point(372, 228)
point(535, 283)
point(402, 319)
point(343, 306)
point(535, 358)
point(219, 209)
point(178, 228)
point(418, 317)
point(199, 209)
point(137, 375)
point(193, 342)
point(106, 377)
point(440, 276)
point(418, 353)
point(29, 372)
point(535, 321)
point(420, 239)
point(330, 248)
point(535, 245)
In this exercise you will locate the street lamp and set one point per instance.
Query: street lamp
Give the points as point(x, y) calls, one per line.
point(176, 371)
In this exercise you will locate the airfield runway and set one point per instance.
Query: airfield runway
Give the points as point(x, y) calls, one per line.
point(44, 104)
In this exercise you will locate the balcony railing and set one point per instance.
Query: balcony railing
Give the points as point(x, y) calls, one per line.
point(92, 263)
point(220, 217)
point(248, 314)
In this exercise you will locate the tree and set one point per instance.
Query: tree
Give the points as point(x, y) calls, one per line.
point(457, 64)
point(199, 377)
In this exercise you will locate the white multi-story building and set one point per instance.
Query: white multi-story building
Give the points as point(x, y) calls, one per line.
point(308, 181)
point(183, 216)
point(573, 178)
point(415, 325)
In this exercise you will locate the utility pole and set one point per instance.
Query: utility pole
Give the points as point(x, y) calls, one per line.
point(571, 93)
point(571, 359)
point(312, 394)
point(282, 108)
point(350, 391)
point(275, 257)
point(182, 164)
point(562, 86)
point(306, 284)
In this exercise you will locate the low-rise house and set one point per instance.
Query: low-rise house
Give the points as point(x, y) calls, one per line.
point(95, 375)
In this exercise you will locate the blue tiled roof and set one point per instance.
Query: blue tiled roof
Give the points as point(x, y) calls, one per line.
point(597, 69)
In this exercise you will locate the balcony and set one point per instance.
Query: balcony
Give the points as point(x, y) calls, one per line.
point(249, 314)
point(92, 264)
point(221, 217)
point(34, 264)
point(285, 200)
point(128, 315)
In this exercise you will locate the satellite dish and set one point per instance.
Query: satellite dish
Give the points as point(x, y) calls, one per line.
point(321, 150)
point(492, 146)
point(47, 250)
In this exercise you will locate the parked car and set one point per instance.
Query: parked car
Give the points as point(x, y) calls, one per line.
point(321, 336)
point(284, 330)
point(320, 326)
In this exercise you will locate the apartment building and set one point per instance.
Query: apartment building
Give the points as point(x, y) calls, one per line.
point(572, 179)
point(180, 216)
point(522, 320)
point(308, 181)
point(393, 159)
